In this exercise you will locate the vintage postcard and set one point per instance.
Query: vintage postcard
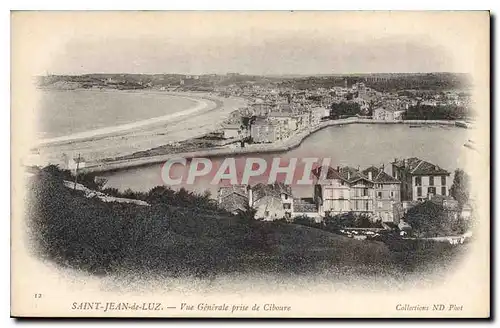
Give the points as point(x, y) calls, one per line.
point(250, 164)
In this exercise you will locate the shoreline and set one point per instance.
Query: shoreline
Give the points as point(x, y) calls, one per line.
point(283, 146)
point(202, 103)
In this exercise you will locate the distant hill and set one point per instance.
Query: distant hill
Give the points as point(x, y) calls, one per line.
point(378, 81)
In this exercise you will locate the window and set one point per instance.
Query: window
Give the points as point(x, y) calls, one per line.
point(431, 181)
point(366, 206)
point(443, 180)
point(419, 191)
point(379, 194)
point(287, 206)
point(443, 191)
point(418, 181)
point(365, 191)
point(286, 196)
point(392, 194)
point(266, 213)
point(379, 204)
point(431, 190)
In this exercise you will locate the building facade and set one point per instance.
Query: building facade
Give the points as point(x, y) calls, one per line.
point(231, 131)
point(271, 201)
point(420, 179)
point(387, 193)
point(263, 131)
point(385, 114)
point(345, 189)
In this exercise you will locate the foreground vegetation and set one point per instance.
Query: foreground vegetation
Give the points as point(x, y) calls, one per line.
point(183, 234)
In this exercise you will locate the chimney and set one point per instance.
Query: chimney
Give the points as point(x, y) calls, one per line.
point(250, 196)
point(405, 162)
point(219, 198)
point(370, 176)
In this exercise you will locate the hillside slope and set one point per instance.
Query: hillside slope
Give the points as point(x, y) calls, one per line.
point(179, 234)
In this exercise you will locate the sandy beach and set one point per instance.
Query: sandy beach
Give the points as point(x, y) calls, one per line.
point(201, 105)
point(94, 145)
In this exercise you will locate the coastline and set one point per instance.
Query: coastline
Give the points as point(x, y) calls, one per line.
point(202, 104)
point(283, 146)
point(94, 149)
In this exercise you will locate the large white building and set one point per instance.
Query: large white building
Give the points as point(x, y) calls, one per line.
point(387, 114)
point(420, 179)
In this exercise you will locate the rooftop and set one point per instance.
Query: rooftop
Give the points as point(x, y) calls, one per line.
point(261, 190)
point(379, 175)
point(233, 198)
point(232, 126)
point(418, 166)
point(280, 114)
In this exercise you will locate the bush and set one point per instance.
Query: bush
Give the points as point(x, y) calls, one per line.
point(432, 220)
point(349, 220)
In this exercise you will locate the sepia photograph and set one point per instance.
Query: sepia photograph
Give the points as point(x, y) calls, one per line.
point(250, 164)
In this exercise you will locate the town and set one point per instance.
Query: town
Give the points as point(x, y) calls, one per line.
point(281, 111)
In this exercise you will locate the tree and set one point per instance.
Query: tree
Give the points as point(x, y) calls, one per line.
point(460, 187)
point(344, 109)
point(430, 220)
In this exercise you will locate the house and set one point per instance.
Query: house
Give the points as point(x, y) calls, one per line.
point(344, 189)
point(387, 193)
point(317, 113)
point(263, 131)
point(261, 109)
point(231, 131)
point(233, 198)
point(420, 179)
point(287, 122)
point(387, 113)
point(331, 191)
point(303, 120)
point(361, 190)
point(272, 201)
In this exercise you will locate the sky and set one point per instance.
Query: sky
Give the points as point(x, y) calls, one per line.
point(261, 43)
point(293, 54)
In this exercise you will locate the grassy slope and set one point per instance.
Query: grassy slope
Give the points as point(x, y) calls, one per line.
point(179, 240)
